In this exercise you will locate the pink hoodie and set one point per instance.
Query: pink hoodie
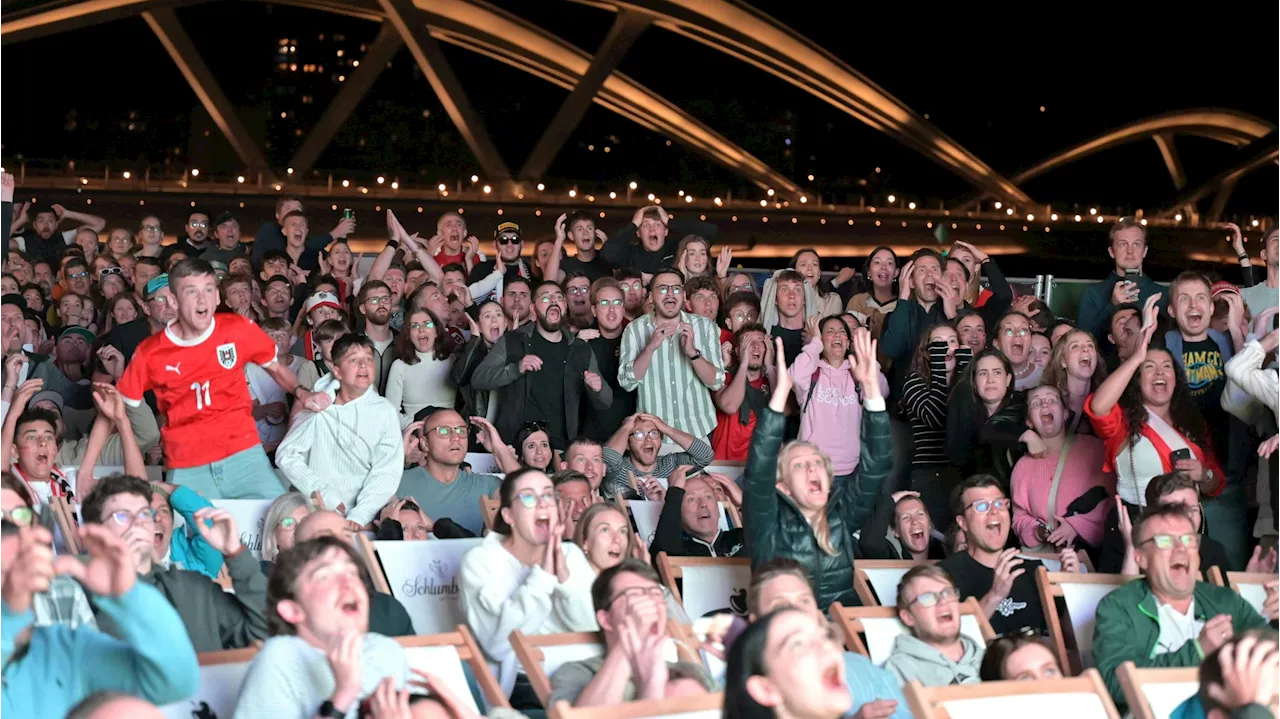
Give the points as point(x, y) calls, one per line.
point(833, 420)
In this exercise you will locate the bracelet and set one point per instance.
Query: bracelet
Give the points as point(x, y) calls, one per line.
point(393, 244)
point(1242, 258)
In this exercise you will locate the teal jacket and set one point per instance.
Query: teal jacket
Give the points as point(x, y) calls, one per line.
point(1128, 628)
point(150, 656)
point(186, 547)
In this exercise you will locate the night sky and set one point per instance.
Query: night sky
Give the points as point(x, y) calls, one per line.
point(981, 72)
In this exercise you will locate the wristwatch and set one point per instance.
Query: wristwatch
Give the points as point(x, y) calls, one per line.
point(697, 354)
point(329, 711)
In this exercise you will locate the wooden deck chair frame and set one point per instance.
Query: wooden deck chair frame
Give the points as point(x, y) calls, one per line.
point(862, 583)
point(850, 619)
point(672, 569)
point(1084, 559)
point(469, 652)
point(489, 507)
point(226, 656)
point(1132, 678)
point(924, 701)
point(640, 709)
point(65, 519)
point(1235, 579)
point(1049, 585)
point(370, 556)
point(528, 650)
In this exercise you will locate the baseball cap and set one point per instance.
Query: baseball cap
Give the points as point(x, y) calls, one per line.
point(155, 284)
point(1223, 286)
point(321, 299)
point(224, 216)
point(14, 299)
point(81, 332)
point(506, 227)
point(47, 395)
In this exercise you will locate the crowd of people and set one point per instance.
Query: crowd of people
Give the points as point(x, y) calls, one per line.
point(913, 409)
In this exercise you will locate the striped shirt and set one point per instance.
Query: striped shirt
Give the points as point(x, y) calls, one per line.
point(925, 406)
point(670, 388)
point(618, 468)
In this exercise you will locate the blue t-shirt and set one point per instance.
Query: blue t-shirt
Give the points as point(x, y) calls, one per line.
point(459, 500)
point(868, 682)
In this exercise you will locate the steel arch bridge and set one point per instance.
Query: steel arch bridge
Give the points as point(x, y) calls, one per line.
point(729, 26)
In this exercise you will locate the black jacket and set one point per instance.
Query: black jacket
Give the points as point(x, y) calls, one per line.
point(977, 444)
point(775, 527)
point(500, 372)
point(465, 361)
point(624, 250)
point(671, 538)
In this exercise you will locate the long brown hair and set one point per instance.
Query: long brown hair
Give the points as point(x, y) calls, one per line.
point(920, 358)
point(441, 348)
point(1055, 373)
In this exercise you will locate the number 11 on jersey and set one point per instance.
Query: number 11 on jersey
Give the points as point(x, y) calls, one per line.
point(202, 401)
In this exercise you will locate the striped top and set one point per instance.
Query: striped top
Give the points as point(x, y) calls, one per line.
point(670, 388)
point(925, 405)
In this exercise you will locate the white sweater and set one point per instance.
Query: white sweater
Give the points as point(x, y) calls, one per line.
point(410, 387)
point(501, 595)
point(352, 454)
point(290, 679)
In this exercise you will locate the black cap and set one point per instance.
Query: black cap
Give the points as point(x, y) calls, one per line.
point(222, 217)
point(14, 299)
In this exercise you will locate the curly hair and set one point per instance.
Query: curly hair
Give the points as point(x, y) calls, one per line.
point(1182, 410)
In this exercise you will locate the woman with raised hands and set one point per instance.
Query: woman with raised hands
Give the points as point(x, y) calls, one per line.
point(792, 505)
point(1145, 415)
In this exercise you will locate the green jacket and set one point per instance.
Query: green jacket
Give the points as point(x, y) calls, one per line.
point(774, 526)
point(1128, 628)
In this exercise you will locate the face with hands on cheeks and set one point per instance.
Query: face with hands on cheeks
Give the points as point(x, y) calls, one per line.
point(791, 663)
point(926, 273)
point(130, 516)
point(530, 510)
point(326, 599)
point(699, 510)
point(633, 599)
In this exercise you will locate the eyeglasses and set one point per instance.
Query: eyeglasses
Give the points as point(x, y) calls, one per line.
point(669, 289)
point(1165, 541)
point(1041, 402)
point(21, 516)
point(654, 592)
point(929, 599)
point(126, 518)
point(199, 225)
point(609, 303)
point(379, 299)
point(1020, 332)
point(288, 524)
point(579, 290)
point(77, 275)
point(508, 240)
point(110, 271)
point(151, 228)
point(628, 286)
point(641, 434)
point(982, 506)
point(552, 297)
point(428, 325)
point(443, 431)
point(531, 499)
point(744, 316)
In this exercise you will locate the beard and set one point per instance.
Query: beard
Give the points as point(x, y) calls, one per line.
point(549, 326)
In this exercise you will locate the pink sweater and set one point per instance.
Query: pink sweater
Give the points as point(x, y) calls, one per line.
point(833, 420)
point(1032, 478)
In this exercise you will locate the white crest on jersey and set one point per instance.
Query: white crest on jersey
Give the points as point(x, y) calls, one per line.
point(227, 355)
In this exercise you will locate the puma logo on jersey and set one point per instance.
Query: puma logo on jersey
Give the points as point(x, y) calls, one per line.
point(174, 368)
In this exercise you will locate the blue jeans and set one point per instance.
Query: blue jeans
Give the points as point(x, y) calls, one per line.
point(247, 474)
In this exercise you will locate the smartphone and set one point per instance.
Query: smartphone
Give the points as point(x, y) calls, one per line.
point(1179, 454)
point(1132, 274)
point(348, 213)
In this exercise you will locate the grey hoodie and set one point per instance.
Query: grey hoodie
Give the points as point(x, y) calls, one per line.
point(913, 659)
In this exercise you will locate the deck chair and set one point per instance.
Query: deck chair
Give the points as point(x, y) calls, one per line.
point(251, 518)
point(221, 674)
point(706, 706)
point(489, 507)
point(1081, 593)
point(1082, 697)
point(882, 627)
point(543, 654)
point(645, 514)
point(64, 519)
point(707, 584)
point(876, 580)
point(444, 654)
point(423, 576)
point(1155, 693)
point(1252, 586)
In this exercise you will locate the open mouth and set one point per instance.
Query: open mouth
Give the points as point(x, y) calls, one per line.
point(946, 616)
point(158, 539)
point(1047, 417)
point(831, 678)
point(815, 487)
point(1180, 568)
point(930, 286)
point(349, 607)
point(995, 526)
point(1160, 383)
point(916, 537)
point(1086, 362)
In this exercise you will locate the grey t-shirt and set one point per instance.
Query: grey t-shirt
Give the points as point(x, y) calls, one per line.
point(572, 677)
point(1260, 297)
point(459, 500)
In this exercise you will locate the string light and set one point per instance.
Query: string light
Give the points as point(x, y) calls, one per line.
point(346, 183)
point(240, 179)
point(633, 185)
point(764, 203)
point(126, 174)
point(1054, 217)
point(734, 218)
point(810, 178)
point(822, 221)
point(688, 198)
point(872, 209)
point(803, 199)
point(650, 197)
point(851, 221)
point(1178, 217)
point(1009, 212)
point(794, 220)
point(1255, 223)
point(1093, 210)
point(381, 179)
point(1002, 228)
point(499, 210)
point(718, 201)
point(911, 205)
point(195, 173)
point(364, 190)
point(613, 195)
point(764, 219)
point(891, 199)
point(573, 193)
point(904, 223)
point(770, 192)
point(395, 185)
point(680, 193)
point(1143, 221)
point(1031, 218)
point(289, 171)
point(978, 226)
point(419, 209)
point(877, 223)
point(475, 178)
point(487, 189)
point(1100, 219)
point(929, 225)
point(999, 204)
point(541, 187)
point(1077, 218)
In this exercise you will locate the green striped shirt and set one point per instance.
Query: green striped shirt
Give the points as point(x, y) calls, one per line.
point(670, 388)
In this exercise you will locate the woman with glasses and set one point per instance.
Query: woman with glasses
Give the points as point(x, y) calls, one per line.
point(1013, 338)
point(794, 504)
point(985, 418)
point(64, 602)
point(787, 664)
point(523, 576)
point(1020, 657)
point(283, 516)
point(1145, 415)
point(419, 377)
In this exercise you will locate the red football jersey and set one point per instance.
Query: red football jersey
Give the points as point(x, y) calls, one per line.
point(201, 388)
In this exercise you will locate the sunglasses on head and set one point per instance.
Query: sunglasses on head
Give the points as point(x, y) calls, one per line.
point(109, 271)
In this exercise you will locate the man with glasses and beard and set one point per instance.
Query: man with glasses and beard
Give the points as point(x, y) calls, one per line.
point(542, 373)
point(610, 317)
point(673, 358)
point(375, 304)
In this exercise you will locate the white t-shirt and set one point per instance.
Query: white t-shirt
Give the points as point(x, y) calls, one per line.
point(263, 389)
point(1176, 628)
point(290, 679)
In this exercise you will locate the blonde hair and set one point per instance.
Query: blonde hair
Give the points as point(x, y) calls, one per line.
point(821, 527)
point(283, 506)
point(588, 516)
point(1055, 372)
